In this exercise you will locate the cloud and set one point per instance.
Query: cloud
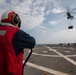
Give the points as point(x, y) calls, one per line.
point(34, 16)
point(53, 22)
point(14, 2)
point(32, 22)
point(56, 22)
point(42, 29)
point(1, 1)
point(57, 10)
point(31, 13)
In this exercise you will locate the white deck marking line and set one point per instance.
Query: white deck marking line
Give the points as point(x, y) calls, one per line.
point(70, 60)
point(46, 69)
point(36, 48)
point(71, 55)
point(52, 55)
point(46, 55)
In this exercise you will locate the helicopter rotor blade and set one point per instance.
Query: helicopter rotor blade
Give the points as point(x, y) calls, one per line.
point(73, 12)
point(73, 9)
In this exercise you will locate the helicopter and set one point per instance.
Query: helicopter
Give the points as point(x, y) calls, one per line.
point(70, 16)
point(69, 13)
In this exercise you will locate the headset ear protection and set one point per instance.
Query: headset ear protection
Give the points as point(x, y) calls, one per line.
point(16, 20)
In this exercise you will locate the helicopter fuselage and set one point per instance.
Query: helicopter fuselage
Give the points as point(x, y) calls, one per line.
point(69, 16)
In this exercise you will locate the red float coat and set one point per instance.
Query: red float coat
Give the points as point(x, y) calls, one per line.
point(9, 63)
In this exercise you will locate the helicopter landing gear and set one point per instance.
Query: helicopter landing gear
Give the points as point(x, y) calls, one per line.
point(71, 17)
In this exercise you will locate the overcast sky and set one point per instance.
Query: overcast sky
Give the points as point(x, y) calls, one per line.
point(45, 20)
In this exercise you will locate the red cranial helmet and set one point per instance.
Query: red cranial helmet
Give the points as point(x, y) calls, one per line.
point(11, 17)
point(7, 16)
